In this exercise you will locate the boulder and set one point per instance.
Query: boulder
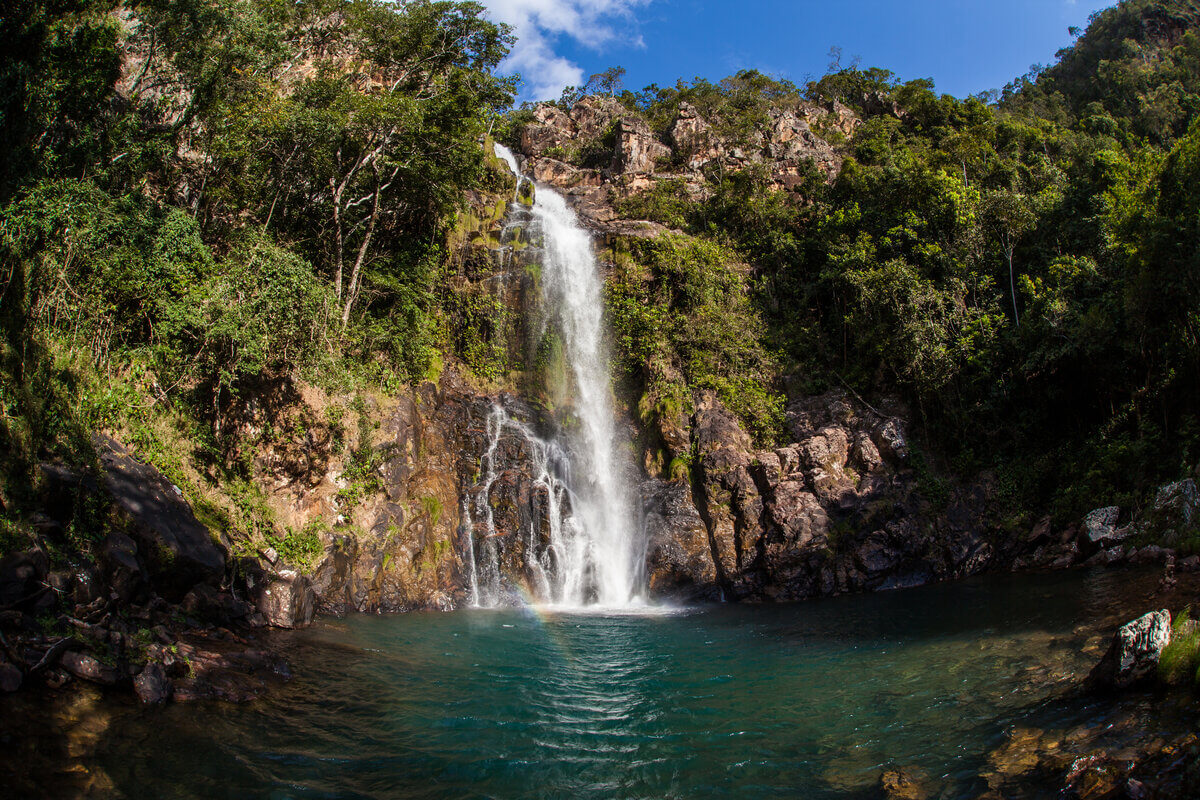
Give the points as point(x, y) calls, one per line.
point(1100, 528)
point(1133, 653)
point(23, 581)
point(892, 443)
point(152, 685)
point(207, 603)
point(10, 678)
point(123, 570)
point(865, 454)
point(287, 600)
point(89, 668)
point(176, 549)
point(1150, 554)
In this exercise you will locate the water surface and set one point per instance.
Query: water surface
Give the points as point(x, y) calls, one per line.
point(808, 700)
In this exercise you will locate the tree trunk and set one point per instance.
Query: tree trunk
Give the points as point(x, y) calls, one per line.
point(1012, 287)
point(352, 288)
point(339, 243)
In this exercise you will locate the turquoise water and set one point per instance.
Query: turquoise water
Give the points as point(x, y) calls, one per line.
point(808, 700)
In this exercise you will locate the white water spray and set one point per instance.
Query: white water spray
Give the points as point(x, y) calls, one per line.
point(592, 554)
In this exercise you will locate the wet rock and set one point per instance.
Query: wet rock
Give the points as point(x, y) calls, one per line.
point(1134, 652)
point(287, 600)
point(1136, 790)
point(89, 668)
point(1019, 755)
point(1094, 777)
point(152, 685)
point(10, 678)
point(56, 678)
point(331, 578)
point(678, 558)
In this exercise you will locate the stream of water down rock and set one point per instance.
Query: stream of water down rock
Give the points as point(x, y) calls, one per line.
point(592, 554)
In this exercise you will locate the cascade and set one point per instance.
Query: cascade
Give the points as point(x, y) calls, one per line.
point(590, 552)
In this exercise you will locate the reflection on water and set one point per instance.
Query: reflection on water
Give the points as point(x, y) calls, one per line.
point(812, 699)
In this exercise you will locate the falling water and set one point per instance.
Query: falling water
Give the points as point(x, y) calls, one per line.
point(591, 553)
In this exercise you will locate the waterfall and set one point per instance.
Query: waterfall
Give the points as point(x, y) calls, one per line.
point(591, 553)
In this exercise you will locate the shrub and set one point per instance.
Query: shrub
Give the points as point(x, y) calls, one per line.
point(1180, 660)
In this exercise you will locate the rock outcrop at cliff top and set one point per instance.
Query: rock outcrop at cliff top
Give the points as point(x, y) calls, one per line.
point(600, 150)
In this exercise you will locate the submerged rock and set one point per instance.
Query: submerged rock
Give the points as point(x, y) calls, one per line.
point(1094, 777)
point(1134, 652)
point(903, 783)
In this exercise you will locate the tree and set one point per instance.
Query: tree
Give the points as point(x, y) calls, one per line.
point(380, 145)
point(607, 82)
point(1009, 218)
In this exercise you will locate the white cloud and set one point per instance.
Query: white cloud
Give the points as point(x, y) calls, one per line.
point(538, 23)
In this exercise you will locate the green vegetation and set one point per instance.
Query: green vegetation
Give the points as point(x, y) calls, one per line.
point(199, 200)
point(432, 508)
point(682, 316)
point(1018, 266)
point(301, 549)
point(1180, 660)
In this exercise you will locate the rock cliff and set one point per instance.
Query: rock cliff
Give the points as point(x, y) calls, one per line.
point(601, 152)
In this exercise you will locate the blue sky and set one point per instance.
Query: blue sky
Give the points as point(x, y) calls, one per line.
point(966, 46)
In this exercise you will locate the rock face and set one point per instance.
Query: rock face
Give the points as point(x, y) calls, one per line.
point(1134, 652)
point(1175, 513)
point(637, 152)
point(836, 510)
point(600, 150)
point(679, 559)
